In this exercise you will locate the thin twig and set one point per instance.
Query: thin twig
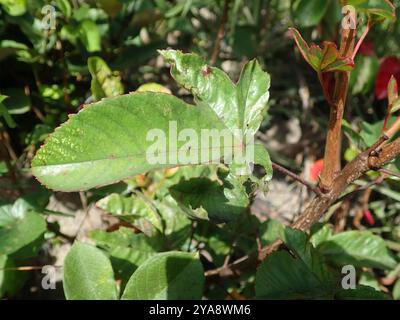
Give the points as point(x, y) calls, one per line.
point(8, 155)
point(294, 176)
point(85, 208)
point(362, 38)
point(5, 138)
point(220, 34)
point(389, 172)
point(232, 269)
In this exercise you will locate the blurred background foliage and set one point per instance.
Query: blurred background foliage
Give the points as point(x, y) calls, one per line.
point(97, 49)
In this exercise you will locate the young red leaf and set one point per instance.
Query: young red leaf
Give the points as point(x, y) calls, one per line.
point(325, 59)
point(341, 64)
point(329, 54)
point(302, 45)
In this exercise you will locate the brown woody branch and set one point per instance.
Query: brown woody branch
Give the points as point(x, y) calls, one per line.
point(369, 185)
point(351, 172)
point(318, 206)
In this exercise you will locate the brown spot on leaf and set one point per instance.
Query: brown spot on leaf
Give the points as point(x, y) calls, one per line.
point(206, 71)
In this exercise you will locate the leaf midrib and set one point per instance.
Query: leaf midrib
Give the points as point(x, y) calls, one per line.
point(136, 155)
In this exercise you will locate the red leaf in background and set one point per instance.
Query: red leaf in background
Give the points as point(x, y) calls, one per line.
point(369, 218)
point(389, 66)
point(316, 169)
point(367, 48)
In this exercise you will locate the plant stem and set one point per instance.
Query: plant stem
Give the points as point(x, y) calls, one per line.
point(220, 34)
point(333, 140)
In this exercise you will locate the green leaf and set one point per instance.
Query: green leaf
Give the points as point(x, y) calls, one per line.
point(126, 249)
point(71, 161)
point(393, 95)
point(104, 83)
point(5, 114)
point(9, 47)
point(379, 10)
point(39, 133)
point(11, 280)
point(252, 96)
point(237, 106)
point(51, 92)
point(305, 276)
point(89, 35)
point(206, 199)
point(135, 209)
point(303, 47)
point(301, 246)
point(14, 7)
point(177, 226)
point(170, 275)
point(370, 132)
point(320, 233)
point(395, 106)
point(310, 12)
point(393, 90)
point(20, 229)
point(361, 293)
point(396, 290)
point(17, 102)
point(368, 278)
point(217, 240)
point(270, 231)
point(126, 127)
point(88, 274)
point(355, 138)
point(262, 158)
point(65, 7)
point(153, 87)
point(362, 79)
point(358, 248)
point(280, 276)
